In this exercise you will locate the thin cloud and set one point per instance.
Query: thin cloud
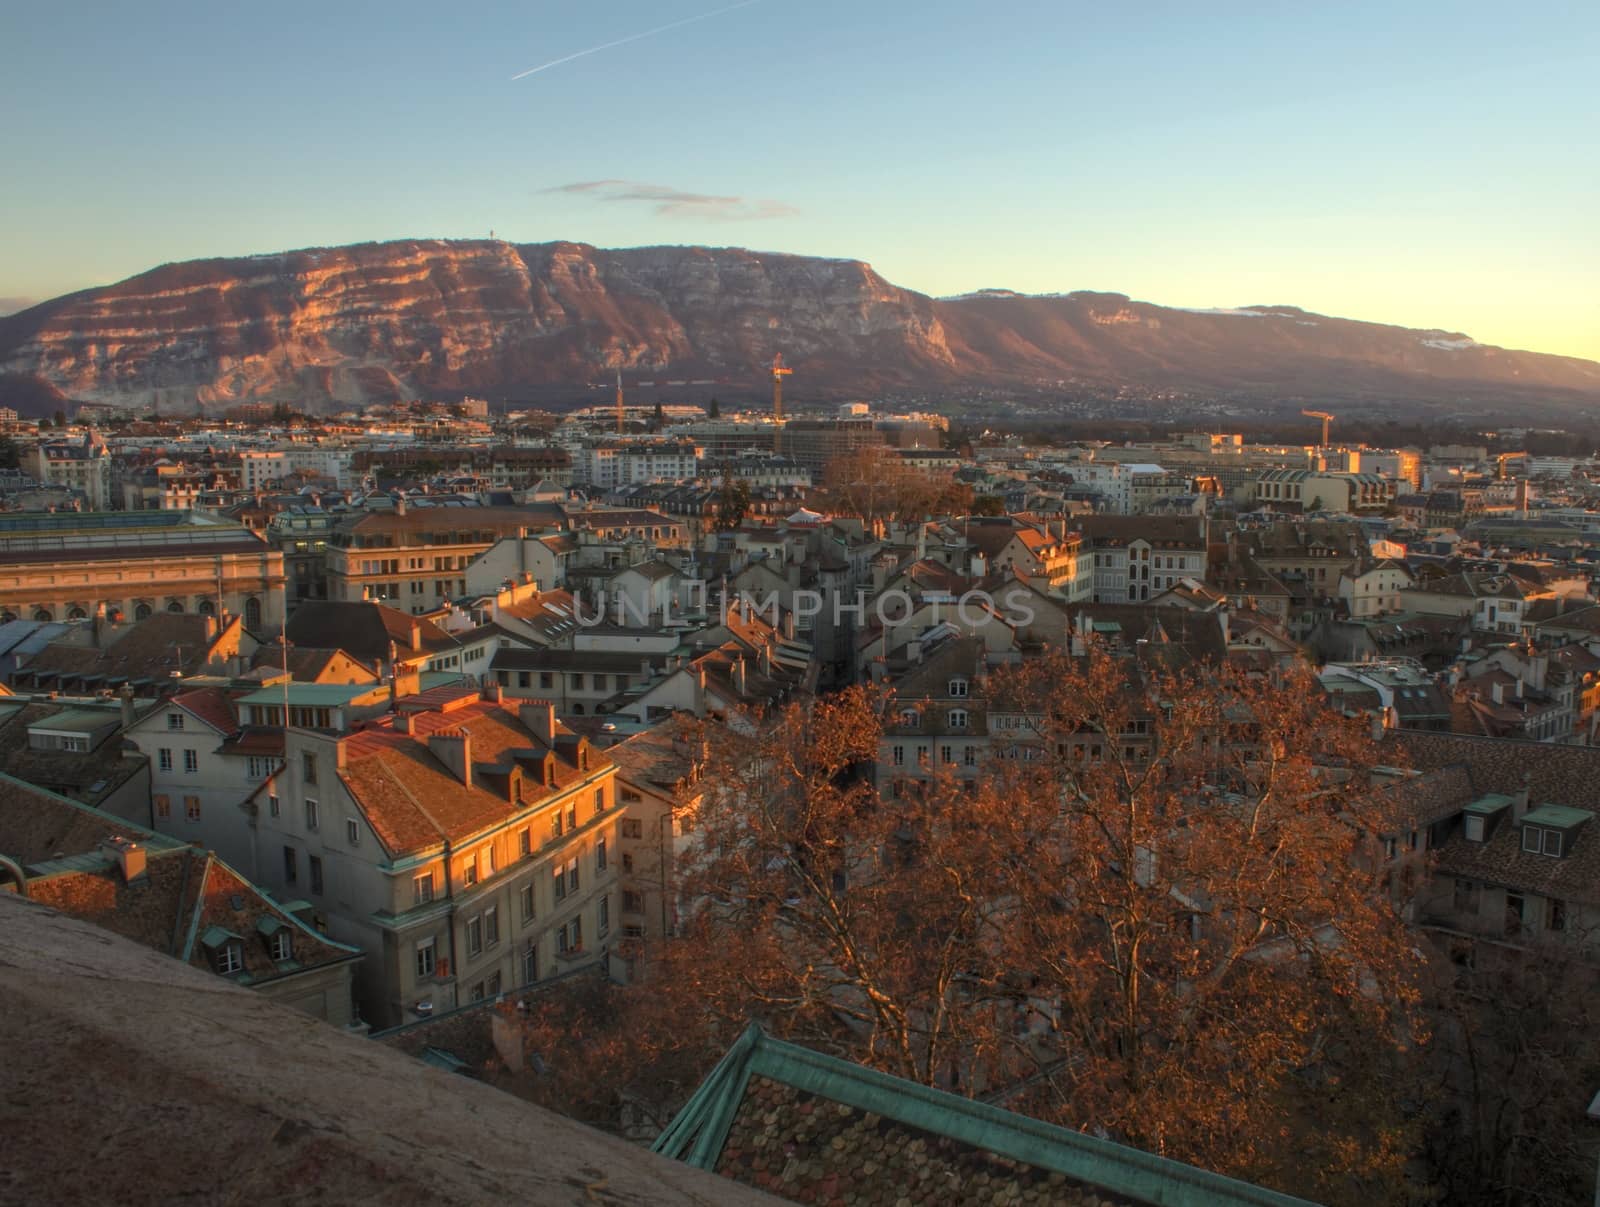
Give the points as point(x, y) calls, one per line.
point(668, 202)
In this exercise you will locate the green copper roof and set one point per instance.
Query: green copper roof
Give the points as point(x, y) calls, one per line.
point(1560, 816)
point(698, 1132)
point(1492, 803)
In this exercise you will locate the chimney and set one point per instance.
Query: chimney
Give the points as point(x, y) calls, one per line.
point(539, 718)
point(1519, 800)
point(739, 675)
point(645, 668)
point(699, 691)
point(416, 636)
point(1378, 726)
point(491, 688)
point(211, 629)
point(128, 716)
point(127, 854)
point(766, 660)
point(1498, 690)
point(453, 748)
point(400, 505)
point(402, 722)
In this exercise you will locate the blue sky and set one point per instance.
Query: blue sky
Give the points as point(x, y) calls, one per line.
point(1423, 163)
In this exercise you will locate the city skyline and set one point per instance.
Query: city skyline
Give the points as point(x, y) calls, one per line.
point(1416, 168)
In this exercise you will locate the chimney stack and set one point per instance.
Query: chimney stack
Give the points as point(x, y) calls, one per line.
point(539, 718)
point(128, 716)
point(128, 855)
point(739, 675)
point(491, 688)
point(453, 748)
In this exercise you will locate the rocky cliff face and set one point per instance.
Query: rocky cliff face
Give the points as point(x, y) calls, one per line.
point(433, 318)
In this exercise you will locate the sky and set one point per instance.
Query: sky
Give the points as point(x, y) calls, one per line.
point(1431, 164)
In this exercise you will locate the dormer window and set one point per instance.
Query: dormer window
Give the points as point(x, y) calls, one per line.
point(282, 946)
point(958, 687)
point(230, 959)
point(1552, 829)
point(175, 721)
point(910, 717)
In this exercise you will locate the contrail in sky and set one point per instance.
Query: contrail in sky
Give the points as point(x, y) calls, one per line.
point(649, 33)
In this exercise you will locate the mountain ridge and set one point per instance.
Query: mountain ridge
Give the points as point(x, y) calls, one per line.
point(327, 327)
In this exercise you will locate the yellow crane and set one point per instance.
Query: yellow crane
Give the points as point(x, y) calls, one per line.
point(1326, 419)
point(779, 372)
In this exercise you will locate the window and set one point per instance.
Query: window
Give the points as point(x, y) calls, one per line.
point(290, 865)
point(308, 768)
point(1474, 827)
point(230, 959)
point(627, 864)
point(175, 721)
point(603, 917)
point(311, 815)
point(164, 759)
point(910, 718)
point(258, 768)
point(526, 897)
point(469, 871)
point(632, 902)
point(1466, 897)
point(282, 946)
point(475, 936)
point(191, 762)
point(191, 808)
point(899, 756)
point(487, 855)
point(425, 958)
point(946, 754)
point(525, 841)
point(530, 963)
point(491, 926)
point(1513, 914)
point(970, 756)
point(315, 862)
point(1552, 843)
point(572, 816)
point(352, 831)
point(546, 680)
point(958, 687)
point(1531, 839)
point(1555, 915)
point(958, 718)
point(163, 808)
point(492, 985)
point(600, 855)
point(632, 827)
point(569, 938)
point(599, 801)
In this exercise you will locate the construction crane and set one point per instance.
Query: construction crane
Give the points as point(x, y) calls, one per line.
point(779, 372)
point(1500, 463)
point(621, 417)
point(1326, 419)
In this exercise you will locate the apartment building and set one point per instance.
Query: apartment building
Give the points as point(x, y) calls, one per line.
point(1135, 558)
point(81, 463)
point(468, 847)
point(415, 559)
point(619, 464)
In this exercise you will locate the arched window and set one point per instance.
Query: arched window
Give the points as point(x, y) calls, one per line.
point(77, 614)
point(577, 710)
point(43, 614)
point(252, 614)
point(207, 608)
point(175, 606)
point(142, 612)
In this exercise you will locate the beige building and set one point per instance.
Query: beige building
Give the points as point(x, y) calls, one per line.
point(68, 566)
point(468, 847)
point(80, 463)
